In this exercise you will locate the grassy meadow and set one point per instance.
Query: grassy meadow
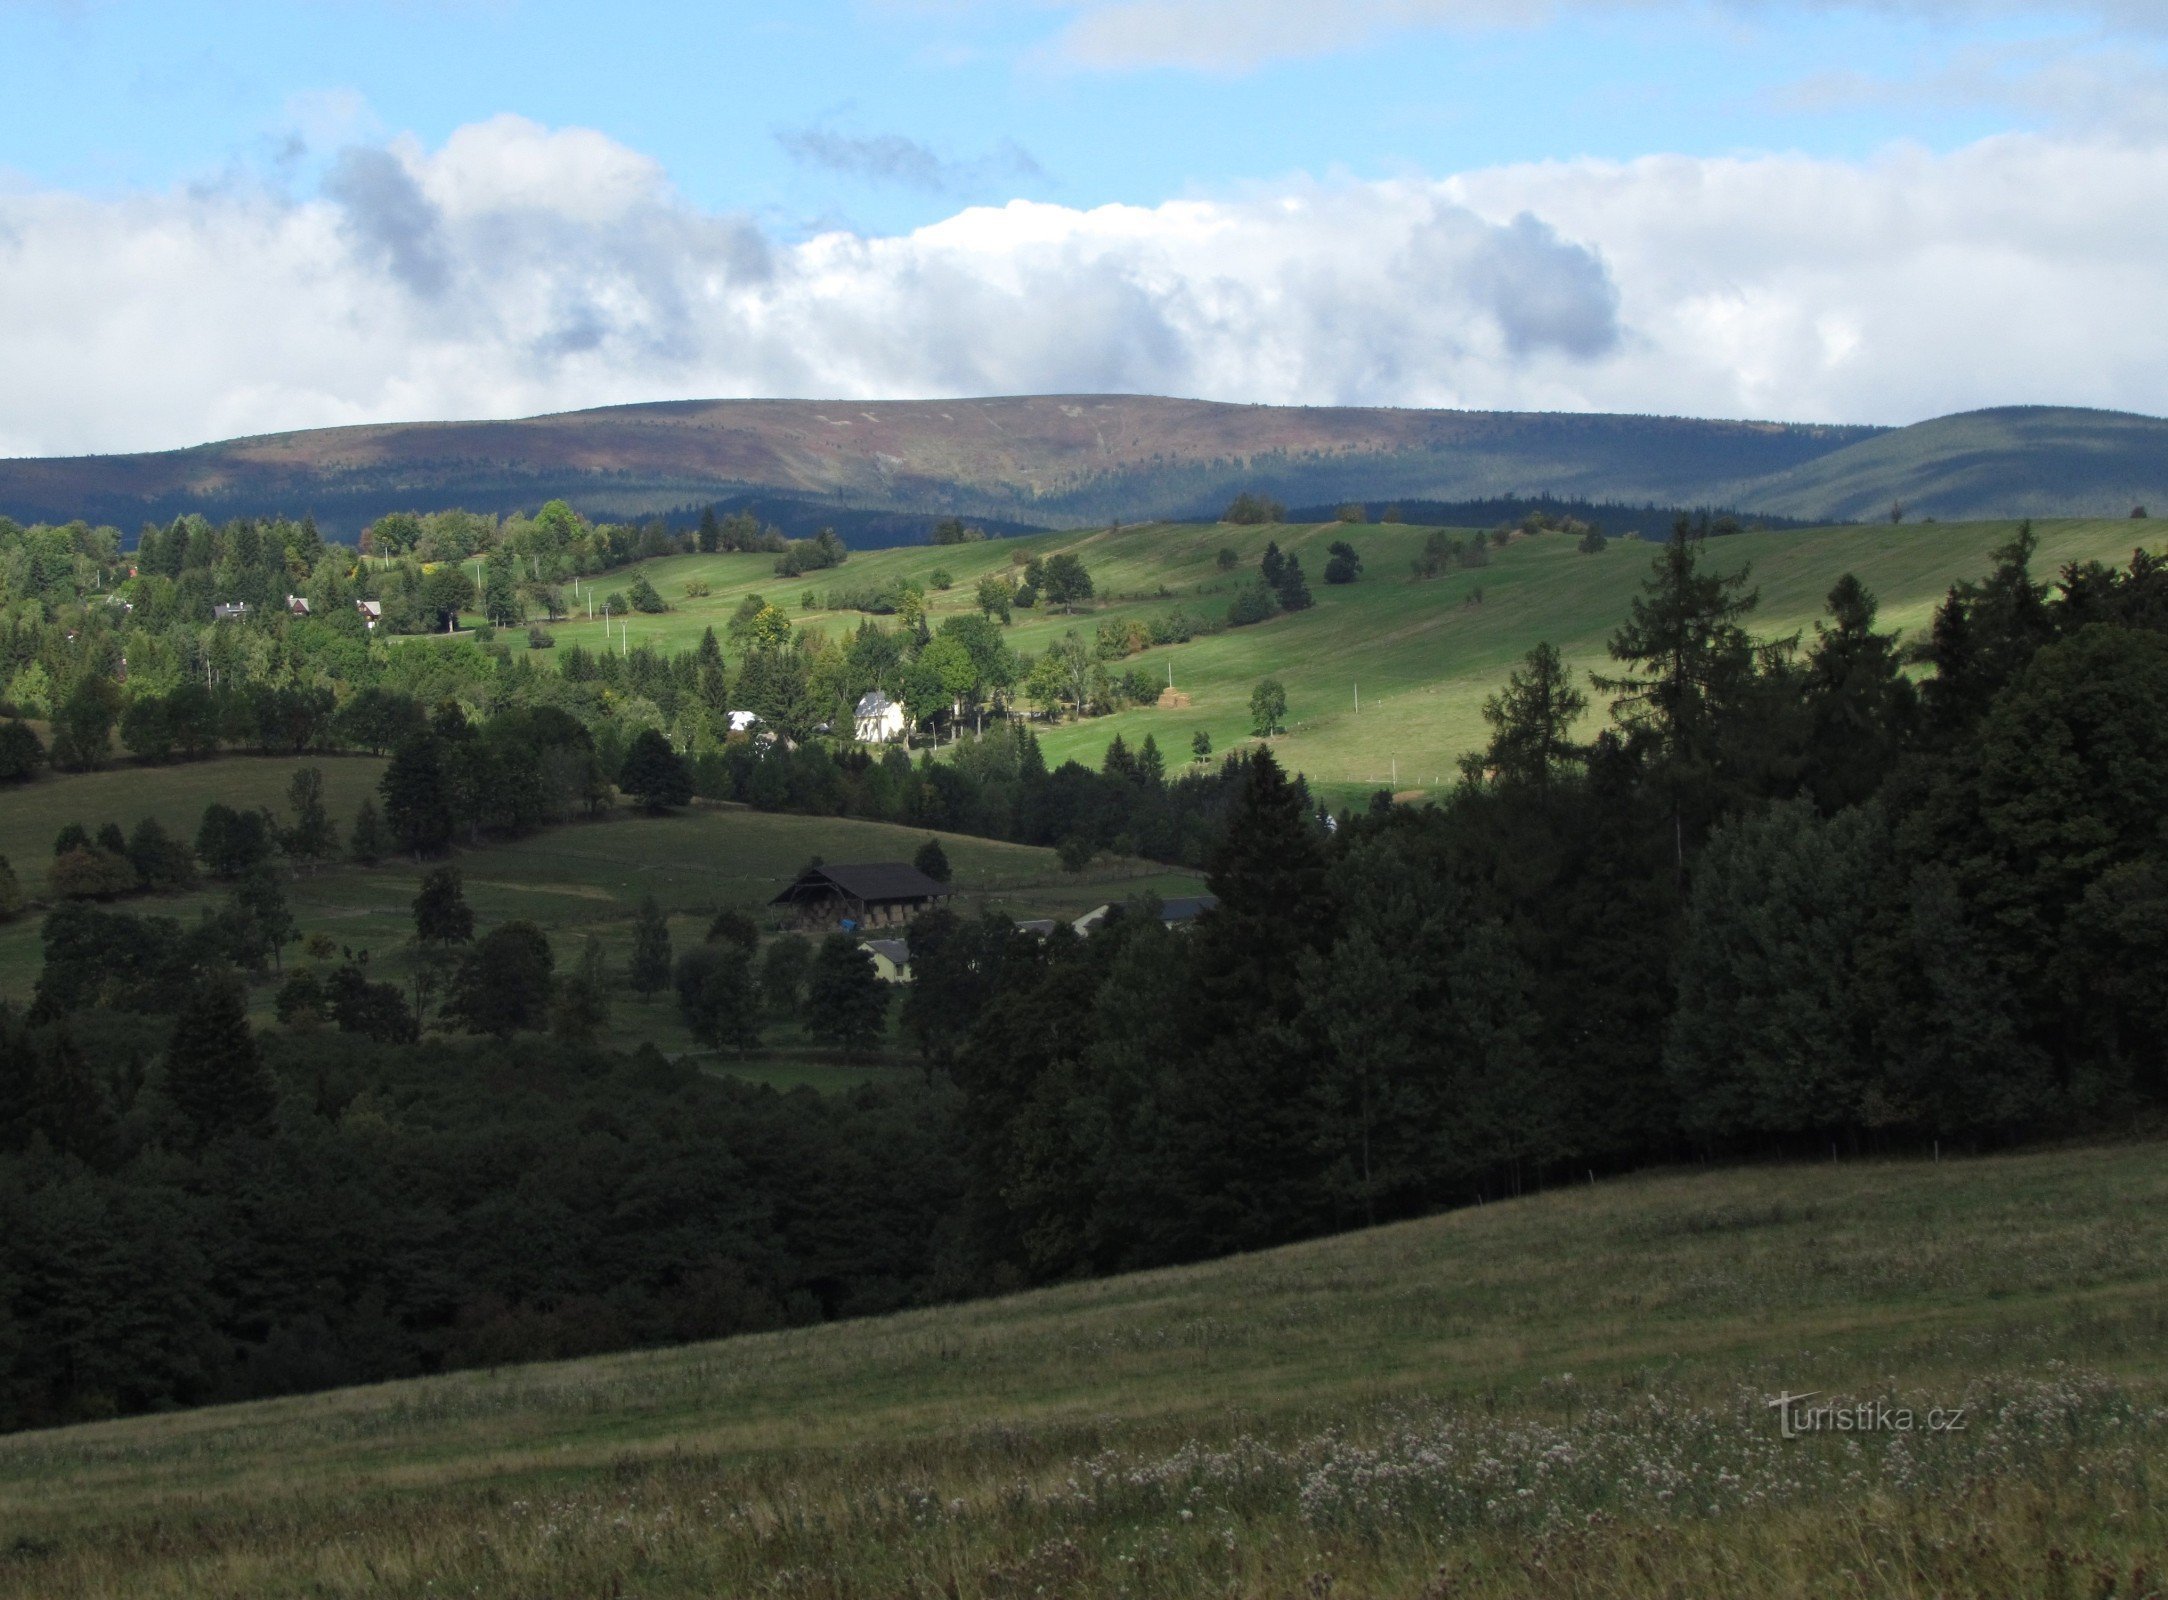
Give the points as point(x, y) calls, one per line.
point(581, 879)
point(1422, 655)
point(1564, 1395)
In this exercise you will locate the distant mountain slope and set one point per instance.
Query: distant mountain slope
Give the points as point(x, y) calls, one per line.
point(1056, 460)
point(1066, 460)
point(2040, 461)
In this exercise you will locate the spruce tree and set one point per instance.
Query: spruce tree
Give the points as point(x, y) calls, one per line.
point(18, 1083)
point(649, 973)
point(312, 838)
point(70, 1106)
point(1691, 667)
point(418, 797)
point(1862, 709)
point(215, 1075)
point(1293, 588)
point(932, 860)
point(365, 845)
point(1531, 722)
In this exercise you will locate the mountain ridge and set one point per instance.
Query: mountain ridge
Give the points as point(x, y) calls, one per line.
point(1071, 460)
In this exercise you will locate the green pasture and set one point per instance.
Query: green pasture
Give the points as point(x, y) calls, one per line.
point(1564, 1395)
point(1421, 656)
point(581, 879)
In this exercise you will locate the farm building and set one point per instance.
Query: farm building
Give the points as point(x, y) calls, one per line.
point(879, 894)
point(1176, 913)
point(891, 959)
point(878, 719)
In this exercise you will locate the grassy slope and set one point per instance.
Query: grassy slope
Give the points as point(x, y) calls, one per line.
point(941, 1451)
point(582, 879)
point(2012, 460)
point(1422, 657)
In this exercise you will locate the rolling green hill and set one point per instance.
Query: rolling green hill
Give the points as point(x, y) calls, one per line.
point(1422, 656)
point(1064, 460)
point(2014, 462)
point(583, 879)
point(1560, 1396)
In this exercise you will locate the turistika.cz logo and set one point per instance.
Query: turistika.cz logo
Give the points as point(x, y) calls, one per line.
point(1796, 1419)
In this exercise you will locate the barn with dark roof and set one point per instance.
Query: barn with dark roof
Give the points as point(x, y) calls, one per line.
point(877, 894)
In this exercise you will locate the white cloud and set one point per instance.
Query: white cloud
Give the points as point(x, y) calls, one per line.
point(1236, 35)
point(515, 270)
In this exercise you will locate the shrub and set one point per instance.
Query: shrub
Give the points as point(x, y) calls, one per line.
point(932, 860)
point(1229, 558)
point(1255, 603)
point(1352, 513)
point(940, 578)
point(644, 598)
point(1439, 549)
point(1343, 564)
point(91, 874)
point(697, 589)
point(1592, 542)
point(541, 639)
point(20, 752)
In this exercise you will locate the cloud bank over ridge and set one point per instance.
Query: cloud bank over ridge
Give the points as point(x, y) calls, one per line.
point(515, 269)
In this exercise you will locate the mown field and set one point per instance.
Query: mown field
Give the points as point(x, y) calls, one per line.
point(1564, 1395)
point(1423, 655)
point(585, 878)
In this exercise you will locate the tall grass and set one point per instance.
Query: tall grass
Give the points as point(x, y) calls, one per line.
point(1565, 1395)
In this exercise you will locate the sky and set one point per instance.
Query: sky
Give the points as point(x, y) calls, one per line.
point(239, 217)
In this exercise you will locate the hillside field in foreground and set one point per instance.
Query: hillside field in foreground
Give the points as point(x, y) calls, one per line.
point(1422, 655)
point(1563, 1395)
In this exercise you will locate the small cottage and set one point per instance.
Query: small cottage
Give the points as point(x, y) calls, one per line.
point(878, 719)
point(891, 959)
point(879, 894)
point(372, 612)
point(230, 613)
point(297, 606)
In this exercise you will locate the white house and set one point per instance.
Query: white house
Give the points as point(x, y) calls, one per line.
point(744, 721)
point(878, 719)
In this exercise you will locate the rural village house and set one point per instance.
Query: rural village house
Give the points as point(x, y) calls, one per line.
point(891, 959)
point(878, 719)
